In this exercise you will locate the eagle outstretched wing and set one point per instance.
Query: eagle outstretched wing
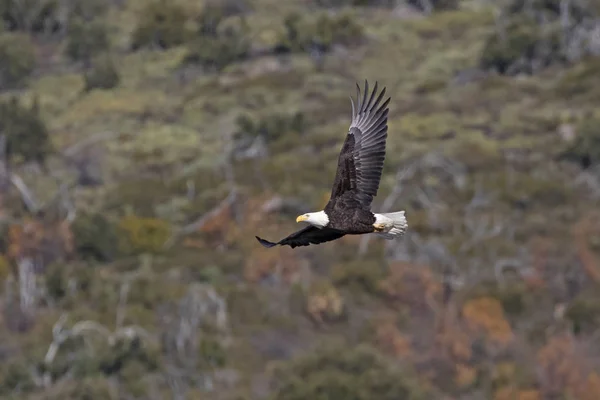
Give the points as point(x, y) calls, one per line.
point(306, 236)
point(363, 153)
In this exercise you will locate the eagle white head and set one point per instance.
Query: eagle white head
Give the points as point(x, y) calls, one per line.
point(318, 219)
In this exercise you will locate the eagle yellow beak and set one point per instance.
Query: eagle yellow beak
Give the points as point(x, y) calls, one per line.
point(301, 218)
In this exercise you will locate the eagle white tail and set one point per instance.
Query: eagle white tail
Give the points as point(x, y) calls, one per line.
point(394, 224)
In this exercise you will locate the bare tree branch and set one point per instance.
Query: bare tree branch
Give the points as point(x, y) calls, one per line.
point(27, 285)
point(97, 137)
point(26, 194)
point(60, 335)
point(200, 222)
point(3, 164)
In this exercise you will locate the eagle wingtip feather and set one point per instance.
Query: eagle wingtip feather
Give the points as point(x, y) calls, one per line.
point(265, 243)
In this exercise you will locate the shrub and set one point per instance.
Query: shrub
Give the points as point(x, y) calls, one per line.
point(97, 388)
point(103, 74)
point(88, 10)
point(337, 372)
point(25, 130)
point(47, 16)
point(359, 3)
point(436, 5)
point(219, 41)
point(584, 314)
point(215, 53)
point(86, 39)
point(16, 377)
point(31, 16)
point(161, 24)
point(302, 33)
point(126, 351)
point(585, 149)
point(95, 237)
point(532, 35)
point(17, 59)
point(216, 11)
point(138, 235)
point(359, 275)
point(524, 49)
point(271, 126)
point(5, 269)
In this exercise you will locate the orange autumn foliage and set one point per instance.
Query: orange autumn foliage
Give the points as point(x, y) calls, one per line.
point(591, 387)
point(511, 393)
point(46, 241)
point(465, 375)
point(565, 370)
point(391, 340)
point(557, 360)
point(218, 222)
point(534, 278)
point(455, 343)
point(263, 262)
point(411, 284)
point(485, 315)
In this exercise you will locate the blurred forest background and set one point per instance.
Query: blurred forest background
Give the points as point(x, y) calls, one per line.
point(143, 144)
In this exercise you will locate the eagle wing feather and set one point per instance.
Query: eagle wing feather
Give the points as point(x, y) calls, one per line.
point(369, 128)
point(361, 159)
point(304, 237)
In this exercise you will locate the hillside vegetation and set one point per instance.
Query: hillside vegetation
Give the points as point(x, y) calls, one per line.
point(144, 143)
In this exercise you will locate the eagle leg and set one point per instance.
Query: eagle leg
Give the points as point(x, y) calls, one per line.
point(379, 227)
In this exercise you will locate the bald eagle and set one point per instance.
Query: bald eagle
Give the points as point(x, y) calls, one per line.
point(356, 182)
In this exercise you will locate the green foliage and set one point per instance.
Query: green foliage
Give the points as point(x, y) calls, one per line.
point(551, 9)
point(97, 388)
point(88, 10)
point(216, 52)
point(435, 4)
point(16, 377)
point(56, 281)
point(359, 275)
point(4, 268)
point(126, 351)
point(26, 132)
point(17, 59)
point(162, 24)
point(271, 127)
point(359, 3)
point(512, 296)
point(524, 48)
point(212, 354)
point(216, 11)
point(139, 235)
point(103, 74)
point(95, 237)
point(338, 372)
point(31, 16)
point(86, 39)
point(584, 313)
point(219, 40)
point(585, 149)
point(47, 17)
point(532, 35)
point(305, 32)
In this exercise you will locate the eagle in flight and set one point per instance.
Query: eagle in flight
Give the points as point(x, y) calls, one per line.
point(356, 182)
